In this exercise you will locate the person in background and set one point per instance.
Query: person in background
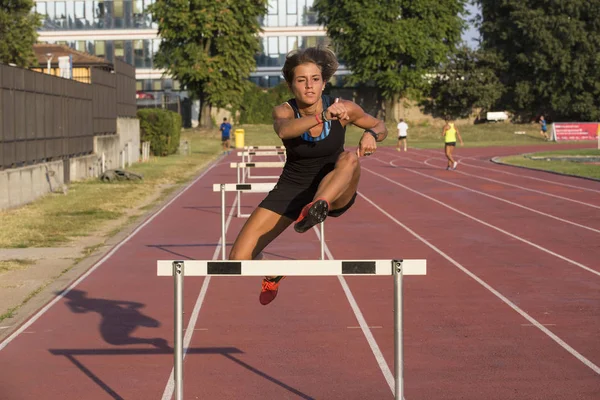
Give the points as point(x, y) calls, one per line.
point(225, 134)
point(402, 133)
point(544, 128)
point(450, 133)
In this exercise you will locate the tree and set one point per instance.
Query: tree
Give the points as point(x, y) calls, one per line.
point(18, 32)
point(550, 49)
point(392, 44)
point(209, 46)
point(466, 81)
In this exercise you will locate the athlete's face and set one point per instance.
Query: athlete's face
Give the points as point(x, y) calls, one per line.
point(308, 84)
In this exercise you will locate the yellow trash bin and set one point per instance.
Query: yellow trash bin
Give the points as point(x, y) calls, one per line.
point(239, 138)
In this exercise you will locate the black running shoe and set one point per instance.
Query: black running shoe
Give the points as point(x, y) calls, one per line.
point(311, 215)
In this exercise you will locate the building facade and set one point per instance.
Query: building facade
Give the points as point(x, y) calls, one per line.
point(124, 28)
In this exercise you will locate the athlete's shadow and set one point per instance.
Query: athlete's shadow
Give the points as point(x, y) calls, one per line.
point(120, 318)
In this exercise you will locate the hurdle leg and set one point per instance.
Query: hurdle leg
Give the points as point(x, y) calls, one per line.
point(178, 342)
point(323, 240)
point(398, 351)
point(223, 234)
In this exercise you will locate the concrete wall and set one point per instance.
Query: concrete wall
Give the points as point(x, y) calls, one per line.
point(122, 149)
point(19, 186)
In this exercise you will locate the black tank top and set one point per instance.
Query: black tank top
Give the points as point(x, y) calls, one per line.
point(310, 159)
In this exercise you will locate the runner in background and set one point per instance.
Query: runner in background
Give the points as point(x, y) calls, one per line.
point(225, 134)
point(450, 133)
point(402, 133)
point(544, 128)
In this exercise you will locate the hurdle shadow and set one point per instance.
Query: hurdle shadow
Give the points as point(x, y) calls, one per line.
point(166, 248)
point(217, 209)
point(227, 352)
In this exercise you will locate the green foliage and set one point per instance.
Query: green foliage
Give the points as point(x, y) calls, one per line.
point(209, 45)
point(466, 81)
point(18, 32)
point(257, 104)
point(392, 44)
point(161, 128)
point(551, 51)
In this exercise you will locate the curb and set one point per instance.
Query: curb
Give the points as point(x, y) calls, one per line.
point(496, 160)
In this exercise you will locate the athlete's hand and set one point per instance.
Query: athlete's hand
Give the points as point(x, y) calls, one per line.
point(337, 111)
point(366, 146)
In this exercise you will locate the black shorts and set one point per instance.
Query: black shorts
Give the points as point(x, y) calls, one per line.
point(289, 200)
point(224, 139)
point(402, 137)
point(453, 144)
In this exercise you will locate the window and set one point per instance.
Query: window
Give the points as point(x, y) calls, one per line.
point(156, 85)
point(80, 45)
point(118, 8)
point(40, 8)
point(61, 10)
point(79, 9)
point(100, 48)
point(119, 48)
point(292, 7)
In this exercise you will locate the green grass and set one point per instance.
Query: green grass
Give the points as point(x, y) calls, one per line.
point(422, 136)
point(56, 219)
point(561, 166)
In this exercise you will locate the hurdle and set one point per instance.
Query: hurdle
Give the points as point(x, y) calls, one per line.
point(396, 268)
point(242, 166)
point(254, 188)
point(246, 155)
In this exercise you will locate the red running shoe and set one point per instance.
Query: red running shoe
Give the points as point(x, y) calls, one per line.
point(269, 289)
point(312, 214)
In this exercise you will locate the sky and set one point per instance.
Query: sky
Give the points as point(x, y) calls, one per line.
point(471, 34)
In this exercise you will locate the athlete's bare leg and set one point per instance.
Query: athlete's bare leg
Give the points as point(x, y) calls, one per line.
point(449, 156)
point(339, 185)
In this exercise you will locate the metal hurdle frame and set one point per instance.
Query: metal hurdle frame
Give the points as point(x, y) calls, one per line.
point(242, 166)
point(248, 149)
point(396, 268)
point(262, 187)
point(246, 155)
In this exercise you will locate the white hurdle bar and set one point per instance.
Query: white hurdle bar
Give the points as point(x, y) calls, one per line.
point(241, 166)
point(262, 187)
point(395, 268)
point(247, 155)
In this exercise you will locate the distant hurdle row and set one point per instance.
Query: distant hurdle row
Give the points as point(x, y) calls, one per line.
point(395, 268)
point(253, 188)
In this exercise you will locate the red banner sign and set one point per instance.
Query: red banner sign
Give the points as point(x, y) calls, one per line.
point(575, 130)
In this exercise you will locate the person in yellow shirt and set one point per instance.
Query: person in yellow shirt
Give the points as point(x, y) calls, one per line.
point(450, 133)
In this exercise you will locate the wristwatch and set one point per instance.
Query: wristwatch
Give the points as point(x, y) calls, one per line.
point(372, 133)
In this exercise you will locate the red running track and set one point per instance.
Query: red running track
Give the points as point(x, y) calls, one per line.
point(510, 308)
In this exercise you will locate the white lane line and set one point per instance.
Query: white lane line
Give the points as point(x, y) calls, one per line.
point(102, 260)
point(487, 224)
point(494, 197)
point(189, 331)
point(528, 317)
point(385, 369)
point(513, 174)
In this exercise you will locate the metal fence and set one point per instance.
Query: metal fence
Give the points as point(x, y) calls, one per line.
point(45, 118)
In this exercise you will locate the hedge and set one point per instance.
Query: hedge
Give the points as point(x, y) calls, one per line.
point(161, 128)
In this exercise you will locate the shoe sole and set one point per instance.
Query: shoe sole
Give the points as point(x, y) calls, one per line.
point(316, 214)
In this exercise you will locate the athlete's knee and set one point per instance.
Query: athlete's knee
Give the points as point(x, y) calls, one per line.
point(348, 160)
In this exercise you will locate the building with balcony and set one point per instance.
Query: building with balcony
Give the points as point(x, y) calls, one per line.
point(124, 28)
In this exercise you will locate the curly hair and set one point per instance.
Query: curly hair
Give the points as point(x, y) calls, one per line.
point(323, 57)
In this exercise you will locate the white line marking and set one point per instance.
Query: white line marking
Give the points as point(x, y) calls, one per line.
point(497, 198)
point(170, 388)
point(101, 261)
point(385, 369)
point(529, 318)
point(360, 327)
point(523, 188)
point(501, 171)
point(487, 224)
point(5, 327)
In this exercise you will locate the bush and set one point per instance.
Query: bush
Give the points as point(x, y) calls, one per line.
point(161, 128)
